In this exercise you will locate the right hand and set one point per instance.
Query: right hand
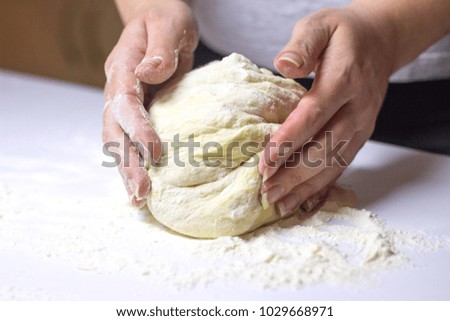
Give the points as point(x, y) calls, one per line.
point(153, 47)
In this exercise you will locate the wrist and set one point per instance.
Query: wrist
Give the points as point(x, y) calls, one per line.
point(383, 34)
point(409, 28)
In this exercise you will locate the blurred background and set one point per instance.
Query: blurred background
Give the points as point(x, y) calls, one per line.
point(63, 39)
point(71, 39)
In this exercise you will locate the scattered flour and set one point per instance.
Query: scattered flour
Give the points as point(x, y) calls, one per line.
point(106, 236)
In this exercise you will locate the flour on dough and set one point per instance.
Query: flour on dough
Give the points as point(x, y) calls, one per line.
point(225, 102)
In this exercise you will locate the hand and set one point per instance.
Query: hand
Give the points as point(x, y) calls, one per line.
point(350, 53)
point(153, 47)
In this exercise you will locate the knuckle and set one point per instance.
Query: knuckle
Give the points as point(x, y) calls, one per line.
point(308, 47)
point(316, 113)
point(282, 135)
point(299, 26)
point(347, 75)
point(133, 150)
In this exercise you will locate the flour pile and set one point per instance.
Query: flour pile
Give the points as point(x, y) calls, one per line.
point(335, 245)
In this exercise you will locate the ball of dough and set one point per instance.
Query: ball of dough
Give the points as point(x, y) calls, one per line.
point(225, 109)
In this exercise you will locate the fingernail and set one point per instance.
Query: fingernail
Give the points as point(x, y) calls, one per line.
point(281, 209)
point(138, 203)
point(265, 175)
point(157, 156)
point(137, 192)
point(154, 61)
point(107, 103)
point(311, 203)
point(131, 198)
point(290, 202)
point(274, 194)
point(132, 194)
point(264, 187)
point(148, 64)
point(265, 204)
point(292, 58)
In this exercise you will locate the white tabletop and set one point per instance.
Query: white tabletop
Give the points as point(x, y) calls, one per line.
point(51, 143)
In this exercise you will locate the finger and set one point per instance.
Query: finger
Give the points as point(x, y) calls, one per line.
point(309, 38)
point(163, 53)
point(298, 195)
point(126, 93)
point(316, 200)
point(315, 187)
point(122, 62)
point(131, 115)
point(315, 109)
point(333, 87)
point(325, 150)
point(131, 167)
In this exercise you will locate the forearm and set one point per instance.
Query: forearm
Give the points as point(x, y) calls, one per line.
point(413, 25)
point(129, 9)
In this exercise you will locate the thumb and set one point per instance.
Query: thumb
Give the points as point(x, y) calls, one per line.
point(166, 45)
point(299, 57)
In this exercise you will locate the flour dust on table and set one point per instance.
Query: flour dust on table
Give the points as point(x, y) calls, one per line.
point(337, 245)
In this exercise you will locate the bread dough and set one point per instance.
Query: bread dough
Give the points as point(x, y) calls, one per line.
point(226, 102)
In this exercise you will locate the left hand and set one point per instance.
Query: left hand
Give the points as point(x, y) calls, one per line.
point(156, 44)
point(351, 54)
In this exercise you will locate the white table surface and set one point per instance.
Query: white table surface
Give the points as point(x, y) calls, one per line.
point(49, 122)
